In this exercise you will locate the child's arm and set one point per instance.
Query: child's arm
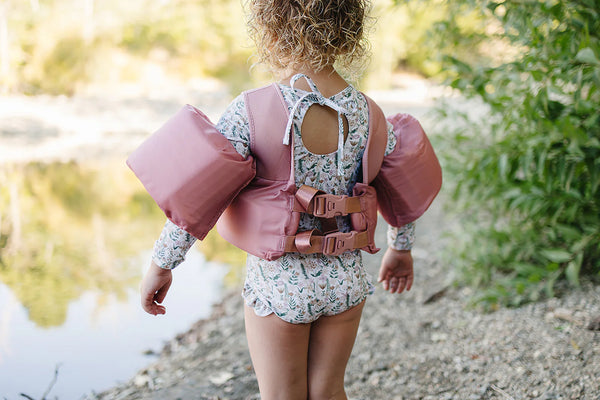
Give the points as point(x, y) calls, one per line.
point(396, 270)
point(174, 242)
point(154, 288)
point(169, 251)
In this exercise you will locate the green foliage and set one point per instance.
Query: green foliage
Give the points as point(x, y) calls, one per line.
point(527, 168)
point(59, 46)
point(67, 65)
point(421, 28)
point(141, 37)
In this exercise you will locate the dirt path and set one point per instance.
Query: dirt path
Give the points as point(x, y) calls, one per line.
point(425, 344)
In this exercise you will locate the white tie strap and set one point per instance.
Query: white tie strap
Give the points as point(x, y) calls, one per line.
point(315, 97)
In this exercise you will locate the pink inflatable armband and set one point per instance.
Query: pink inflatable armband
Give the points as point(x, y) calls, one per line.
point(410, 177)
point(191, 170)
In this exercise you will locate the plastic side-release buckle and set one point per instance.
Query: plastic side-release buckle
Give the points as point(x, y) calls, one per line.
point(329, 205)
point(339, 242)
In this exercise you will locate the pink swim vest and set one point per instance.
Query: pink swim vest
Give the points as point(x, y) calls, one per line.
point(197, 177)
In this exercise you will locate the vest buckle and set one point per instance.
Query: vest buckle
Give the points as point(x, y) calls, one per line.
point(329, 206)
point(338, 242)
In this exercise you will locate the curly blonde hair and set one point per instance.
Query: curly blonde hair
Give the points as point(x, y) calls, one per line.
point(313, 34)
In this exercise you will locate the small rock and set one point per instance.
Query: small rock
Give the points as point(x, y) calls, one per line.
point(150, 352)
point(142, 380)
point(564, 314)
point(435, 296)
point(439, 337)
point(374, 380)
point(220, 378)
point(594, 324)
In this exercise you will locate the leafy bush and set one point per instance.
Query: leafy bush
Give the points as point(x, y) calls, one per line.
point(414, 26)
point(527, 169)
point(58, 47)
point(65, 67)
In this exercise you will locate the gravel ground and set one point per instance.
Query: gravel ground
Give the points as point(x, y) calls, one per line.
point(425, 344)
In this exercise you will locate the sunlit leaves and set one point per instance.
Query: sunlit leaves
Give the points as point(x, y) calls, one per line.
point(529, 173)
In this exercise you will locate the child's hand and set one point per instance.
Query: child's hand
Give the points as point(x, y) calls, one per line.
point(396, 270)
point(155, 285)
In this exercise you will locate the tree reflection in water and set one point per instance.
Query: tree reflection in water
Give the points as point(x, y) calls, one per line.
point(67, 228)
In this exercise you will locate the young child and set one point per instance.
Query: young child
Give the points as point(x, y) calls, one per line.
point(302, 311)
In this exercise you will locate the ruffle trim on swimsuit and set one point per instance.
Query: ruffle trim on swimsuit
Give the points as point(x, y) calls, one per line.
point(251, 299)
point(262, 308)
point(371, 288)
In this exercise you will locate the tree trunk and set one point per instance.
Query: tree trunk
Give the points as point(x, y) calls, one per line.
point(88, 20)
point(14, 238)
point(35, 5)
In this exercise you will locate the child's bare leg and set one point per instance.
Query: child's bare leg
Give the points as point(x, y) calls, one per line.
point(331, 342)
point(279, 356)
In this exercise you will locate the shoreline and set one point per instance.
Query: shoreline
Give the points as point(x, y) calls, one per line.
point(102, 124)
point(424, 344)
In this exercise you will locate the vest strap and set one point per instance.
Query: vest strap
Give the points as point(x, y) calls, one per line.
point(332, 244)
point(304, 198)
point(324, 205)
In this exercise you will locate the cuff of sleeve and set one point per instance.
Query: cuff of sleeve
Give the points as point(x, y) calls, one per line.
point(171, 247)
point(163, 255)
point(401, 238)
point(164, 264)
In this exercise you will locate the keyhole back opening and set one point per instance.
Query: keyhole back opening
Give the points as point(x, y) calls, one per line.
point(320, 130)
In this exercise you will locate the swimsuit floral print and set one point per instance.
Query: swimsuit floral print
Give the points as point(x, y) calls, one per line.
point(296, 287)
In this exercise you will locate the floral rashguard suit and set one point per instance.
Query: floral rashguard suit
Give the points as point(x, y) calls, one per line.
point(299, 288)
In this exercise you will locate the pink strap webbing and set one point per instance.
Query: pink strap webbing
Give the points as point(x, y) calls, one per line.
point(267, 117)
point(376, 143)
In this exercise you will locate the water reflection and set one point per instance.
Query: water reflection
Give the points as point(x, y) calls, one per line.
point(103, 339)
point(71, 236)
point(66, 228)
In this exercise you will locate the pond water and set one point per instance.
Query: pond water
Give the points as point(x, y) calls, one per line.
point(103, 339)
point(75, 240)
